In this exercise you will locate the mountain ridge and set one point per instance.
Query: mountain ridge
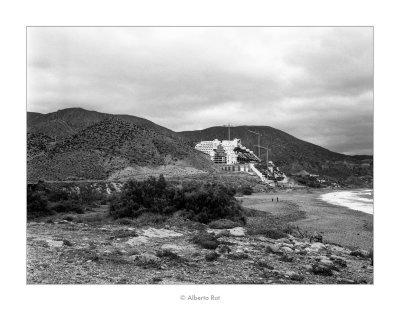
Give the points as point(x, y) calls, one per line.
point(288, 152)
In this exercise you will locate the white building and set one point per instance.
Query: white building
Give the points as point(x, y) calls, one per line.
point(235, 152)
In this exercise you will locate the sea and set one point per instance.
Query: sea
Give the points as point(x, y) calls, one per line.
point(360, 200)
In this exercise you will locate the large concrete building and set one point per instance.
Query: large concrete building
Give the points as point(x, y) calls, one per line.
point(227, 151)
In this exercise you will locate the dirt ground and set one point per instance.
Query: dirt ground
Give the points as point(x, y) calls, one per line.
point(71, 252)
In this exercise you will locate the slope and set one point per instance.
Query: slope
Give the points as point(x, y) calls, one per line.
point(66, 122)
point(289, 152)
point(106, 147)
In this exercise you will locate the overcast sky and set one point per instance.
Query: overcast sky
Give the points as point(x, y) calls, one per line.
point(314, 83)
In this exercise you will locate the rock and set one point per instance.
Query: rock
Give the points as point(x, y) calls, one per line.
point(264, 264)
point(321, 270)
point(67, 243)
point(295, 276)
point(160, 233)
point(145, 258)
point(340, 261)
point(53, 243)
point(360, 253)
point(284, 240)
point(171, 247)
point(271, 248)
point(137, 240)
point(287, 249)
point(302, 252)
point(238, 231)
point(211, 256)
point(223, 249)
point(287, 258)
point(308, 268)
point(223, 233)
point(345, 281)
point(316, 247)
point(238, 255)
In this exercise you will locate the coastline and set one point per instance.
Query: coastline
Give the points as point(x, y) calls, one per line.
point(338, 224)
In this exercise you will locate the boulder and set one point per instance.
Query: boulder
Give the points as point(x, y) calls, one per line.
point(271, 248)
point(360, 253)
point(238, 231)
point(340, 261)
point(160, 233)
point(294, 276)
point(55, 244)
point(345, 281)
point(211, 256)
point(137, 240)
point(223, 233)
point(238, 255)
point(316, 247)
point(145, 258)
point(223, 249)
point(287, 249)
point(264, 264)
point(321, 270)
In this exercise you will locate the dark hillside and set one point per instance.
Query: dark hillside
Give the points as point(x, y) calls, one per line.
point(70, 121)
point(105, 147)
point(289, 152)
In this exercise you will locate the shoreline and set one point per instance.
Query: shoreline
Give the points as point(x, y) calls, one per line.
point(338, 224)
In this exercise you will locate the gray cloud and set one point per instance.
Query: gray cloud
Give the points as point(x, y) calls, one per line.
point(315, 83)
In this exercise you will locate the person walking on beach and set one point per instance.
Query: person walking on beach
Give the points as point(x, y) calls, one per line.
point(272, 199)
point(277, 199)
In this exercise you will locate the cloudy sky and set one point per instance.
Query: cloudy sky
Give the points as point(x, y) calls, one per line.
point(314, 83)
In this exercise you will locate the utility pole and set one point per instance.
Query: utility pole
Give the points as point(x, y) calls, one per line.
point(229, 130)
point(268, 148)
point(258, 134)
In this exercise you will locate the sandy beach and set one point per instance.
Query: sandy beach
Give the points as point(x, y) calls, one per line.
point(339, 224)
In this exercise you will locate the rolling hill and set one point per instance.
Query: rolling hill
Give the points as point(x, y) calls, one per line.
point(96, 147)
point(77, 144)
point(66, 122)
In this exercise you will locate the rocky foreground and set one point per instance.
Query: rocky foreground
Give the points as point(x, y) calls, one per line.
point(66, 252)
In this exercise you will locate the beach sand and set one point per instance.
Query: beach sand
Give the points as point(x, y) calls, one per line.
point(339, 225)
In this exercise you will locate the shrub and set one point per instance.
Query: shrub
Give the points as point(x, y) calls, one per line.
point(197, 201)
point(91, 218)
point(168, 254)
point(211, 256)
point(124, 234)
point(223, 224)
point(56, 195)
point(37, 204)
point(138, 197)
point(206, 240)
point(245, 190)
point(69, 218)
point(124, 221)
point(68, 207)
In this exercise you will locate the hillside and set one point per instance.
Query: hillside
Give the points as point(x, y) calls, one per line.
point(75, 143)
point(66, 122)
point(289, 152)
point(107, 148)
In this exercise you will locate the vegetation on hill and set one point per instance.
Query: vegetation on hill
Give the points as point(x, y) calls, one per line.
point(45, 199)
point(66, 122)
point(75, 143)
point(104, 147)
